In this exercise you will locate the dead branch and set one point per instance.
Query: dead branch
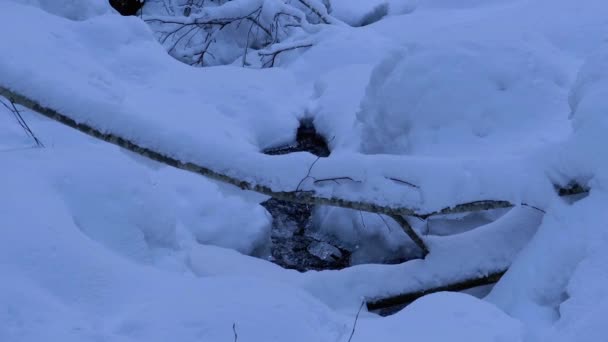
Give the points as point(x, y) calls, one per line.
point(316, 11)
point(409, 297)
point(407, 228)
point(352, 332)
point(297, 196)
point(468, 207)
point(335, 180)
point(206, 27)
point(274, 53)
point(401, 181)
point(21, 121)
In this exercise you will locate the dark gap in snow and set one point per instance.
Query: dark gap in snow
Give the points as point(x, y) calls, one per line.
point(127, 7)
point(477, 291)
point(294, 245)
point(573, 189)
point(377, 14)
point(478, 287)
point(307, 140)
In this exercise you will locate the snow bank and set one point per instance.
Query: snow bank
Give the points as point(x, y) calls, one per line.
point(359, 13)
point(105, 257)
point(71, 288)
point(461, 318)
point(125, 83)
point(138, 209)
point(463, 99)
point(117, 248)
point(71, 9)
point(582, 157)
point(556, 282)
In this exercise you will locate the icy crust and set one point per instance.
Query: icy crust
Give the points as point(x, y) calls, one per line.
point(117, 79)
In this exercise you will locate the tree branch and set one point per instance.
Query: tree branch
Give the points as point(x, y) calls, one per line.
point(304, 197)
point(409, 297)
point(324, 19)
point(407, 228)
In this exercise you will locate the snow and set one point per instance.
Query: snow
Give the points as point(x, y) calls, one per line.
point(469, 100)
point(228, 103)
point(71, 9)
point(417, 103)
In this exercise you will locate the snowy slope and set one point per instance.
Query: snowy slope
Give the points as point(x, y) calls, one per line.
point(221, 107)
point(468, 100)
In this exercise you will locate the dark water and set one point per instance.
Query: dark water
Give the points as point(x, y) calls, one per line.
point(294, 245)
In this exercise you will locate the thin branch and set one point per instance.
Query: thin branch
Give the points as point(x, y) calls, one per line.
point(307, 174)
point(362, 219)
point(274, 53)
point(335, 180)
point(533, 207)
point(388, 226)
point(236, 336)
point(316, 11)
point(407, 228)
point(352, 332)
point(21, 121)
point(400, 181)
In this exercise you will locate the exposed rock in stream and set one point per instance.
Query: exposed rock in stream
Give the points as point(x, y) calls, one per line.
point(294, 245)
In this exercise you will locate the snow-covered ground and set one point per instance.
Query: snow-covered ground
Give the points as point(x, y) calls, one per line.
point(468, 100)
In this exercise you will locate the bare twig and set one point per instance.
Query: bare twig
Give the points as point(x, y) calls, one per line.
point(352, 332)
point(533, 207)
point(307, 174)
point(362, 220)
point(335, 180)
point(397, 180)
point(314, 10)
point(236, 336)
point(274, 53)
point(388, 226)
point(17, 114)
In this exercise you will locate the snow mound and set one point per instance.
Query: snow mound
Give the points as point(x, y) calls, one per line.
point(557, 284)
point(359, 13)
point(71, 9)
point(427, 99)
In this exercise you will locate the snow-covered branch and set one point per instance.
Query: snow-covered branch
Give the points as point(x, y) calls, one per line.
point(298, 196)
point(224, 32)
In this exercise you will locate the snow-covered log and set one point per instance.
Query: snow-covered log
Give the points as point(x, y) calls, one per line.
point(309, 197)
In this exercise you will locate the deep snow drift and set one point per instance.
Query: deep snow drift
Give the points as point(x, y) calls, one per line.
point(468, 100)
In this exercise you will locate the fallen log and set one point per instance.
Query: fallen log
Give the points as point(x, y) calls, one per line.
point(408, 297)
point(306, 197)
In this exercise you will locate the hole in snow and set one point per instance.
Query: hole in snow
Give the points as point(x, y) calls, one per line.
point(307, 140)
point(294, 245)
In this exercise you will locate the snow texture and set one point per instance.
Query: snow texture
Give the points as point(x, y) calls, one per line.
point(467, 100)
